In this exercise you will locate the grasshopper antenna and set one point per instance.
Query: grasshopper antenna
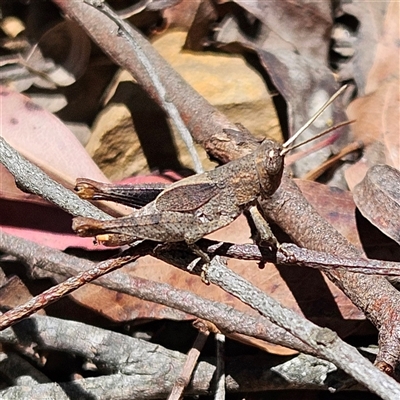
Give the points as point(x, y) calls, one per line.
point(332, 128)
point(312, 119)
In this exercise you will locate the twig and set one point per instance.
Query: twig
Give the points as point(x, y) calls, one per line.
point(57, 292)
point(220, 391)
point(206, 124)
point(187, 370)
point(32, 179)
point(323, 342)
point(318, 171)
point(229, 320)
point(291, 255)
point(374, 295)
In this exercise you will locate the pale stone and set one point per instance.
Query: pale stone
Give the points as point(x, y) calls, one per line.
point(226, 81)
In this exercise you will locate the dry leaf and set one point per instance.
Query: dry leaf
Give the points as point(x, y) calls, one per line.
point(378, 198)
point(377, 114)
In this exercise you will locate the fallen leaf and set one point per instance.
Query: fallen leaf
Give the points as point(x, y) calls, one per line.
point(44, 140)
point(378, 198)
point(377, 113)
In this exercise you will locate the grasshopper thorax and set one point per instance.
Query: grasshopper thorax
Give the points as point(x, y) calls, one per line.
point(269, 166)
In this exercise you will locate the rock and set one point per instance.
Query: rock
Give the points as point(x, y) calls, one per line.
point(130, 136)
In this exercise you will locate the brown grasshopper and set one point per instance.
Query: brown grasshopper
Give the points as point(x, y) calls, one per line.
point(198, 205)
point(195, 206)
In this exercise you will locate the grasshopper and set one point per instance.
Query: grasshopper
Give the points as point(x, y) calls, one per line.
point(193, 207)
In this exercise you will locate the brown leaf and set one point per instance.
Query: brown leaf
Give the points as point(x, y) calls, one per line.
point(68, 46)
point(44, 140)
point(181, 15)
point(335, 205)
point(378, 198)
point(377, 114)
point(13, 292)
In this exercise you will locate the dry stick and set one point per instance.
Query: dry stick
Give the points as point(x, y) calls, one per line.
point(291, 255)
point(190, 363)
point(110, 349)
point(220, 392)
point(205, 123)
point(325, 341)
point(166, 103)
point(318, 171)
point(58, 291)
point(374, 295)
point(32, 179)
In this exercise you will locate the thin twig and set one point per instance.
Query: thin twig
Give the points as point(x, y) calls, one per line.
point(191, 360)
point(291, 255)
point(154, 363)
point(228, 319)
point(57, 292)
point(323, 342)
point(374, 295)
point(220, 391)
point(210, 127)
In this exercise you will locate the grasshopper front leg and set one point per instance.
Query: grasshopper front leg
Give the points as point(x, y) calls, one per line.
point(265, 234)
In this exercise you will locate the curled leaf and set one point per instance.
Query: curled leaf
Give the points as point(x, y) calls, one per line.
point(378, 198)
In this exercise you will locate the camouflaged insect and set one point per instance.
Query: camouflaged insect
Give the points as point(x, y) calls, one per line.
point(195, 206)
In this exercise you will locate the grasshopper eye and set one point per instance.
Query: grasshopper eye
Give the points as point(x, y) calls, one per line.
point(274, 161)
point(269, 166)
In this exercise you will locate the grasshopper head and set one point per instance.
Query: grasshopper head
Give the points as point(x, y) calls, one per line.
point(269, 165)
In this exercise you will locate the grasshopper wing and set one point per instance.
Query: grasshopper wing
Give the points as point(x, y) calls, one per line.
point(186, 198)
